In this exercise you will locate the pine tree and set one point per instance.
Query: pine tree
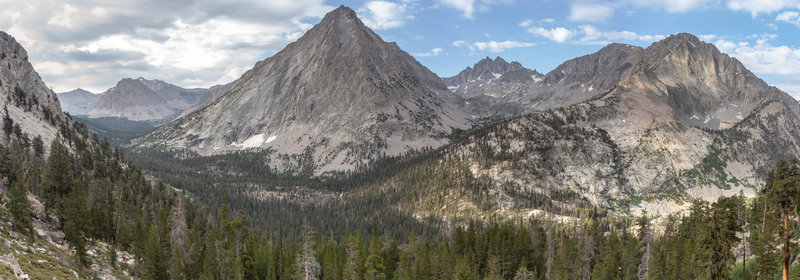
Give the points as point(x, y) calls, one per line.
point(73, 225)
point(19, 206)
point(763, 227)
point(374, 267)
point(308, 267)
point(178, 236)
point(717, 237)
point(587, 252)
point(550, 255)
point(8, 123)
point(354, 264)
point(782, 189)
point(523, 274)
point(59, 178)
point(645, 246)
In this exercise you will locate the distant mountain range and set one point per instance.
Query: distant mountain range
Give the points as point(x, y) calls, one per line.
point(77, 101)
point(496, 89)
point(141, 99)
point(625, 125)
point(648, 127)
point(675, 121)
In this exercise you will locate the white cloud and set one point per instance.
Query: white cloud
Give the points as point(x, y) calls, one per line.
point(433, 52)
point(590, 12)
point(459, 43)
point(466, 6)
point(592, 35)
point(99, 11)
point(707, 37)
point(195, 43)
point(495, 47)
point(526, 23)
point(64, 17)
point(384, 14)
point(673, 6)
point(792, 17)
point(756, 7)
point(762, 57)
point(558, 34)
point(683, 5)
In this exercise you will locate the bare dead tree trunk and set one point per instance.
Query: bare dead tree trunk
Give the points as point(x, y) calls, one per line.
point(550, 253)
point(786, 244)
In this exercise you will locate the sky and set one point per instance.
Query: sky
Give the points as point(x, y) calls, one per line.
point(92, 44)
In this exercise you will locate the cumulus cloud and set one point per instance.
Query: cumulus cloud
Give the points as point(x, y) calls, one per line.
point(384, 14)
point(496, 47)
point(756, 7)
point(592, 35)
point(492, 46)
point(194, 43)
point(468, 7)
point(557, 34)
point(433, 52)
point(674, 6)
point(707, 37)
point(590, 12)
point(792, 17)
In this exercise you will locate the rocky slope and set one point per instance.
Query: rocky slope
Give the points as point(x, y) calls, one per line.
point(77, 101)
point(34, 112)
point(212, 95)
point(141, 99)
point(336, 98)
point(685, 121)
point(497, 89)
point(34, 109)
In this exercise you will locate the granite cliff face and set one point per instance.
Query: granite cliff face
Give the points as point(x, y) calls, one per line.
point(27, 101)
point(339, 95)
point(141, 99)
point(209, 97)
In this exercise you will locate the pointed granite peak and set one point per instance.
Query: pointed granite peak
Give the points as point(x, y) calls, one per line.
point(680, 41)
point(342, 16)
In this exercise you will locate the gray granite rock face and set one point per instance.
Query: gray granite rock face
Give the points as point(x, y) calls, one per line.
point(339, 93)
point(141, 99)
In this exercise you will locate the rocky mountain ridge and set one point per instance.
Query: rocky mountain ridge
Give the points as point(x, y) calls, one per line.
point(641, 144)
point(141, 99)
point(77, 101)
point(519, 90)
point(31, 107)
point(209, 97)
point(338, 97)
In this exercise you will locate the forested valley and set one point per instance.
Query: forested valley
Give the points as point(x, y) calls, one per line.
point(95, 195)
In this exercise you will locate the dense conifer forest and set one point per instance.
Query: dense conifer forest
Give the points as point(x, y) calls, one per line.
point(94, 195)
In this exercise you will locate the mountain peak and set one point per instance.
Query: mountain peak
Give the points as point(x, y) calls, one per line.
point(342, 10)
point(342, 16)
point(340, 87)
point(683, 37)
